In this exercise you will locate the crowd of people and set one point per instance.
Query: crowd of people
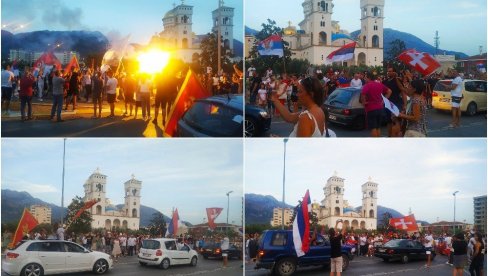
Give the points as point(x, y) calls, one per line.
point(292, 96)
point(464, 249)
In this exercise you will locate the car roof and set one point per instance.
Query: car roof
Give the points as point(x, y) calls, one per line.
point(233, 100)
point(160, 239)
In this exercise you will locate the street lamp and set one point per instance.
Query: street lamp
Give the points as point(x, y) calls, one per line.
point(283, 198)
point(62, 187)
point(454, 222)
point(228, 193)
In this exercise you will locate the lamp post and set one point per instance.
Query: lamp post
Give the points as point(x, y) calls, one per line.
point(454, 222)
point(62, 183)
point(283, 198)
point(228, 193)
point(219, 54)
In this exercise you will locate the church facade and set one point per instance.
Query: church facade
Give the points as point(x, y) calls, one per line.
point(319, 35)
point(334, 207)
point(104, 214)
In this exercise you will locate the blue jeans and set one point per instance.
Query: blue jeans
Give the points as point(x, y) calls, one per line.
point(57, 106)
point(23, 101)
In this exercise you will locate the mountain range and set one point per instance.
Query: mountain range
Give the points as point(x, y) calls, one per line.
point(411, 41)
point(14, 202)
point(259, 209)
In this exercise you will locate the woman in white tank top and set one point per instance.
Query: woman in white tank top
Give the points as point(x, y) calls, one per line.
point(311, 121)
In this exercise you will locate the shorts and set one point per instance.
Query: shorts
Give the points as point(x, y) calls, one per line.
point(456, 101)
point(129, 97)
point(459, 261)
point(390, 118)
point(374, 118)
point(111, 98)
point(428, 250)
point(336, 264)
point(6, 93)
point(161, 101)
point(413, 133)
point(225, 253)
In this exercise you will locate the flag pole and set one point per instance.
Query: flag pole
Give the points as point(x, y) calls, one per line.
point(284, 58)
point(62, 187)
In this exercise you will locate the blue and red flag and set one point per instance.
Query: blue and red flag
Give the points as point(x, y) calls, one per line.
point(346, 52)
point(301, 227)
point(173, 224)
point(271, 46)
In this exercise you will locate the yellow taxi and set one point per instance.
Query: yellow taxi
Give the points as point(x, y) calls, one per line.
point(474, 96)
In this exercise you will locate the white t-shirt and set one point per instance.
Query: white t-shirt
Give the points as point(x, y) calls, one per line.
point(356, 83)
point(225, 244)
point(428, 241)
point(250, 71)
point(7, 77)
point(60, 233)
point(362, 241)
point(262, 94)
point(457, 92)
point(111, 86)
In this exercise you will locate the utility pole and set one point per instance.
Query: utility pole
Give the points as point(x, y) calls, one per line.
point(436, 42)
point(62, 185)
point(219, 50)
point(283, 199)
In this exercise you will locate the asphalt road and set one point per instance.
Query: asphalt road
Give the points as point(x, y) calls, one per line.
point(130, 266)
point(79, 123)
point(437, 126)
point(363, 266)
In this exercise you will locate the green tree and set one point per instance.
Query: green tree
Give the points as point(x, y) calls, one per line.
point(82, 224)
point(209, 54)
point(397, 46)
point(385, 221)
point(157, 225)
point(261, 63)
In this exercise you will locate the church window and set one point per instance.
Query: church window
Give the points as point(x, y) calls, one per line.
point(322, 6)
point(134, 203)
point(337, 211)
point(337, 201)
point(376, 41)
point(184, 32)
point(374, 58)
point(365, 12)
point(322, 57)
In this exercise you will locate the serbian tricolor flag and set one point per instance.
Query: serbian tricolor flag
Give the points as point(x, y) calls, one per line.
point(301, 227)
point(271, 46)
point(73, 63)
point(407, 223)
point(422, 62)
point(190, 91)
point(86, 206)
point(212, 214)
point(346, 52)
point(26, 224)
point(48, 59)
point(173, 224)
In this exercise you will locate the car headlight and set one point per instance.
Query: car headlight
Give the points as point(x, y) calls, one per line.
point(263, 114)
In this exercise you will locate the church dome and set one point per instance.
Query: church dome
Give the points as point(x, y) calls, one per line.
point(351, 214)
point(110, 208)
point(340, 36)
point(169, 14)
point(348, 209)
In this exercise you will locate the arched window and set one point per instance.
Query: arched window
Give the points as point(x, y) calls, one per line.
point(376, 41)
point(184, 43)
point(99, 210)
point(371, 213)
point(364, 41)
point(226, 44)
point(323, 40)
point(337, 211)
point(376, 11)
point(134, 213)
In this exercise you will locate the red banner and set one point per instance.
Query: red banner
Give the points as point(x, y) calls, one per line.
point(212, 214)
point(26, 224)
point(47, 59)
point(407, 223)
point(190, 91)
point(421, 62)
point(86, 206)
point(73, 63)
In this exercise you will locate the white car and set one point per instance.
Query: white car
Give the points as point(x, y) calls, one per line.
point(45, 257)
point(165, 253)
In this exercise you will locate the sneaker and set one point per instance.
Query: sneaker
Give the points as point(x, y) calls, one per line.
point(451, 126)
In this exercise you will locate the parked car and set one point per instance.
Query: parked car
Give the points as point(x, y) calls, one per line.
point(46, 257)
point(212, 250)
point(222, 116)
point(402, 250)
point(343, 107)
point(276, 252)
point(165, 253)
point(474, 96)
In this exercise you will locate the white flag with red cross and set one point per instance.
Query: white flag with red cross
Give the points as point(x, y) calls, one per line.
point(407, 223)
point(422, 62)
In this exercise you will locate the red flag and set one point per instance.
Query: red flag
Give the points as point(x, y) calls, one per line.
point(407, 223)
point(176, 221)
point(420, 61)
point(86, 206)
point(73, 63)
point(212, 214)
point(189, 92)
point(48, 59)
point(26, 224)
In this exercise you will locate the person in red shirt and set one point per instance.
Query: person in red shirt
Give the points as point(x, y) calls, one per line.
point(373, 103)
point(26, 90)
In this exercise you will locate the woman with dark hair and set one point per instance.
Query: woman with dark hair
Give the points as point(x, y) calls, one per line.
point(460, 254)
point(416, 111)
point(311, 121)
point(477, 258)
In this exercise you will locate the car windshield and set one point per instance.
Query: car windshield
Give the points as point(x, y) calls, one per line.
point(151, 244)
point(340, 96)
point(441, 86)
point(393, 243)
point(214, 119)
point(212, 244)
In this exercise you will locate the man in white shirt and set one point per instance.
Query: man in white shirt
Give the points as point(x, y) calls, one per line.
point(224, 246)
point(456, 88)
point(428, 244)
point(111, 86)
point(356, 82)
point(131, 242)
point(60, 233)
point(7, 79)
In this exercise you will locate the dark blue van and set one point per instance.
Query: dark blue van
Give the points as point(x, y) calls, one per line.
point(277, 253)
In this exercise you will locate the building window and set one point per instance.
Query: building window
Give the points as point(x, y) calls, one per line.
point(337, 201)
point(184, 32)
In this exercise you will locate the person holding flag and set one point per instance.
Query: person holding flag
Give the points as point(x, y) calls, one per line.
point(416, 112)
point(335, 238)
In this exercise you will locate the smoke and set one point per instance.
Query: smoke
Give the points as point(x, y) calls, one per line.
point(52, 14)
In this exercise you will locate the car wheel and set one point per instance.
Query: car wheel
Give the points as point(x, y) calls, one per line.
point(345, 262)
point(32, 269)
point(285, 267)
point(164, 264)
point(385, 260)
point(472, 109)
point(405, 259)
point(359, 123)
point(100, 266)
point(205, 257)
point(142, 264)
point(250, 128)
point(194, 261)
